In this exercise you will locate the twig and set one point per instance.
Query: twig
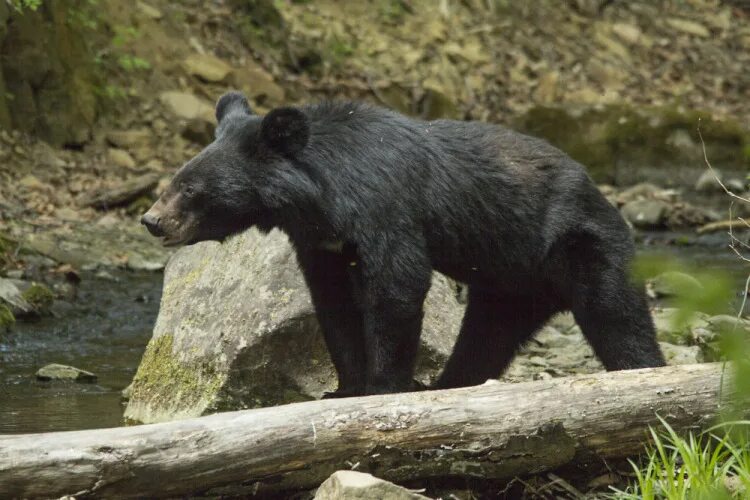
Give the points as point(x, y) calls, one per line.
point(744, 300)
point(708, 163)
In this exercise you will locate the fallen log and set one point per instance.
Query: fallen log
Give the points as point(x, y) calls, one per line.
point(492, 431)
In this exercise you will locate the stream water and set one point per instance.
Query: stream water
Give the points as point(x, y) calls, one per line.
point(106, 329)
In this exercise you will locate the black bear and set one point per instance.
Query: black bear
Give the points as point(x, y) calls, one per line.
point(373, 201)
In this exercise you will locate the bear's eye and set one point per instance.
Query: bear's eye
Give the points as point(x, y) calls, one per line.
point(188, 190)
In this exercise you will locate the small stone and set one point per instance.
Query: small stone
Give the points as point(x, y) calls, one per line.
point(31, 182)
point(56, 371)
point(129, 138)
point(121, 158)
point(628, 33)
point(149, 11)
point(207, 67)
point(645, 214)
point(735, 185)
point(689, 27)
point(187, 106)
point(681, 355)
point(349, 484)
point(260, 85)
point(680, 139)
point(707, 181)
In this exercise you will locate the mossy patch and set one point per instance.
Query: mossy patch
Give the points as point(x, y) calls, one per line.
point(617, 136)
point(40, 297)
point(171, 387)
point(7, 320)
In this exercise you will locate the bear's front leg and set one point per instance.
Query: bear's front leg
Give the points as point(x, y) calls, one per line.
point(394, 285)
point(328, 278)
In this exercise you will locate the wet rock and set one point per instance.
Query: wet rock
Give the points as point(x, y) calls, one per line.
point(122, 193)
point(40, 297)
point(726, 323)
point(735, 185)
point(645, 214)
point(56, 371)
point(707, 182)
point(675, 284)
point(10, 296)
point(187, 106)
point(236, 329)
point(207, 67)
point(350, 485)
point(120, 158)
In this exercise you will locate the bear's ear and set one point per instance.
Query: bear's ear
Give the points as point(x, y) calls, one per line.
point(285, 130)
point(231, 102)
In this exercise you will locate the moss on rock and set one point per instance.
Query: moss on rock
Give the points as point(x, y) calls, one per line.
point(7, 320)
point(40, 297)
point(171, 386)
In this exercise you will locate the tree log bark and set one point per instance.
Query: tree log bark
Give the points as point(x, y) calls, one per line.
point(491, 431)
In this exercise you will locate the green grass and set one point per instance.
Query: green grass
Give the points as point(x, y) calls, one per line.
point(712, 465)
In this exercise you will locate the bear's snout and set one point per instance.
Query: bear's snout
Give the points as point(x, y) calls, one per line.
point(152, 224)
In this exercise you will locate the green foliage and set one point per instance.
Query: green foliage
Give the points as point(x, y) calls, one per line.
point(83, 14)
point(713, 297)
point(20, 5)
point(130, 63)
point(111, 92)
point(393, 11)
point(339, 50)
point(7, 320)
point(124, 35)
point(694, 467)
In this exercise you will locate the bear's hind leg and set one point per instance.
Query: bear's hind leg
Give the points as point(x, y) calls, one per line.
point(614, 317)
point(494, 327)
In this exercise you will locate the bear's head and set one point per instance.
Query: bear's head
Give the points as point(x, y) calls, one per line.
point(247, 171)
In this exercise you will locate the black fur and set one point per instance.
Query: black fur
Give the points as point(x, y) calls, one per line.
point(513, 217)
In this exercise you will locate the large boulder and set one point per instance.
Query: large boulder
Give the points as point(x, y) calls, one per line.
point(236, 329)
